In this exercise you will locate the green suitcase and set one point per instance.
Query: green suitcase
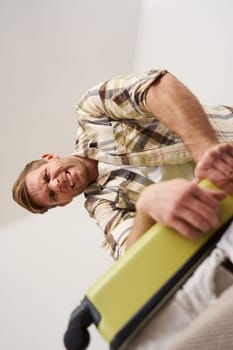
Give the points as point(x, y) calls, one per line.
point(124, 298)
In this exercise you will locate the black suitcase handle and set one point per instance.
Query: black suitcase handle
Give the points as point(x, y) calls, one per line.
point(77, 336)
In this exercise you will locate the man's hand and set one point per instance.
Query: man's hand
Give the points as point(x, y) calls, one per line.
point(216, 164)
point(182, 205)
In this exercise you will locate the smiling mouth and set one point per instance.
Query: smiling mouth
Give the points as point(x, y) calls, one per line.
point(68, 175)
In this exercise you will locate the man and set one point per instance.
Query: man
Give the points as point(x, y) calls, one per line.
point(143, 144)
point(134, 131)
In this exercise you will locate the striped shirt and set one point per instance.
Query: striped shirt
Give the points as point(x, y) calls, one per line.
point(115, 126)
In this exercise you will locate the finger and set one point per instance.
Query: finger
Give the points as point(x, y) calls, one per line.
point(225, 147)
point(222, 148)
point(223, 165)
point(201, 219)
point(227, 158)
point(222, 158)
point(228, 188)
point(217, 162)
point(219, 179)
point(217, 194)
point(185, 229)
point(208, 196)
point(203, 208)
point(218, 176)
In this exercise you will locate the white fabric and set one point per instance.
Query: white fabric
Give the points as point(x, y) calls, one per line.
point(152, 173)
point(198, 293)
point(226, 242)
point(155, 173)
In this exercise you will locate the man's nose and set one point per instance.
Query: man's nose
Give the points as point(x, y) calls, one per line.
point(55, 184)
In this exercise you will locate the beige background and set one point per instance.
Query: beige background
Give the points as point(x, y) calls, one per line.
point(51, 51)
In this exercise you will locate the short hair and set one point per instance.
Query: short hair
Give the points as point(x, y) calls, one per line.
point(20, 193)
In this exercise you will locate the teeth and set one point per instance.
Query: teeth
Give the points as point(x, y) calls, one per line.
point(70, 179)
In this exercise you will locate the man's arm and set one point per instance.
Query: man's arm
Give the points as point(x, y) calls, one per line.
point(175, 106)
point(178, 203)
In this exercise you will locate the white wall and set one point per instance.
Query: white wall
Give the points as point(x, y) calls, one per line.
point(52, 51)
point(46, 265)
point(193, 40)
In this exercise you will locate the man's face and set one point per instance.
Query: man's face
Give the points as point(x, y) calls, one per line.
point(57, 181)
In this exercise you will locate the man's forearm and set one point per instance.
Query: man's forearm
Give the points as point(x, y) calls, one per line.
point(175, 106)
point(179, 204)
point(142, 223)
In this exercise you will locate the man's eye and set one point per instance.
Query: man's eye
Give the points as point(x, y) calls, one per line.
point(52, 195)
point(46, 177)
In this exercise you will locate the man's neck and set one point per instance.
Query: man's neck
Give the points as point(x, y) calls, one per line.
point(92, 166)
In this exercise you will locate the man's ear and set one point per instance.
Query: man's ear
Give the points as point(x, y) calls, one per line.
point(49, 156)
